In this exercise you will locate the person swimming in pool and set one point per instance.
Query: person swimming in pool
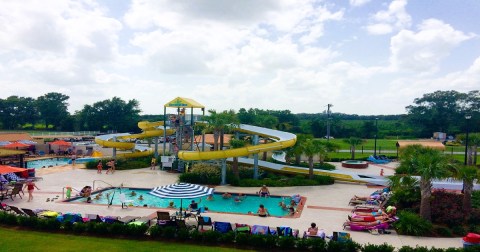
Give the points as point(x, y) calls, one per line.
point(262, 211)
point(264, 192)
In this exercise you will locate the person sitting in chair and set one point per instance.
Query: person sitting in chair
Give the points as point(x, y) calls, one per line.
point(313, 231)
point(194, 205)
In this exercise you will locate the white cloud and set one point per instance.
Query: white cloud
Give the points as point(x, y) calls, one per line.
point(357, 3)
point(422, 51)
point(387, 21)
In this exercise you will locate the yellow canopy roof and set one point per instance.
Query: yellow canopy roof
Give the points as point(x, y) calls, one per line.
point(181, 102)
point(6, 153)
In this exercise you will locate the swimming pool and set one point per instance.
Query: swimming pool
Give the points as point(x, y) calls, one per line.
point(43, 163)
point(218, 204)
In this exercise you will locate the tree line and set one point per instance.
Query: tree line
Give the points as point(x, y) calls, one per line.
point(440, 111)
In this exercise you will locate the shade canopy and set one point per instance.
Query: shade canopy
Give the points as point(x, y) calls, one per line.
point(16, 145)
point(181, 191)
point(182, 102)
point(61, 143)
point(4, 169)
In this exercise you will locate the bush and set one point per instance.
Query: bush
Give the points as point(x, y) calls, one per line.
point(443, 231)
point(378, 248)
point(211, 236)
point(136, 230)
point(412, 224)
point(447, 208)
point(123, 163)
point(25, 221)
point(78, 227)
point(8, 219)
point(286, 242)
point(48, 224)
point(242, 239)
point(183, 234)
point(227, 238)
point(459, 230)
point(117, 229)
point(202, 173)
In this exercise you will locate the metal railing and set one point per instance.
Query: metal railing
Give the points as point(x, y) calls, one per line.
point(63, 191)
point(93, 186)
point(73, 133)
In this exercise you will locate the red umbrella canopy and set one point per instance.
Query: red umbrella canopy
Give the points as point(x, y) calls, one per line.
point(16, 145)
point(4, 169)
point(61, 143)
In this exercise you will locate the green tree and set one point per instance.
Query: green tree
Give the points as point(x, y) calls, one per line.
point(296, 151)
point(442, 111)
point(353, 141)
point(114, 114)
point(311, 148)
point(473, 144)
point(53, 108)
point(467, 174)
point(405, 190)
point(219, 123)
point(429, 164)
point(236, 143)
point(16, 111)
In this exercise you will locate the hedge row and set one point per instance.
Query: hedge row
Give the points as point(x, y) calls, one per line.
point(210, 237)
point(122, 163)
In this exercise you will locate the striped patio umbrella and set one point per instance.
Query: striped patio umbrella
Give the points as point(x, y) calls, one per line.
point(181, 191)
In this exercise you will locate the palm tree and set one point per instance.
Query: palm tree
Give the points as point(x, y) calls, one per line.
point(473, 143)
point(219, 123)
point(297, 150)
point(311, 148)
point(468, 174)
point(353, 141)
point(429, 164)
point(236, 143)
point(405, 190)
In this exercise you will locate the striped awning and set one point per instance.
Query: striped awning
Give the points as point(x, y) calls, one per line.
point(181, 191)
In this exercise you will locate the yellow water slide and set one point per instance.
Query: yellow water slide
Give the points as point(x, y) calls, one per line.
point(120, 140)
point(283, 140)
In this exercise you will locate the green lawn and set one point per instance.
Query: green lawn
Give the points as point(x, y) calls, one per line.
point(21, 240)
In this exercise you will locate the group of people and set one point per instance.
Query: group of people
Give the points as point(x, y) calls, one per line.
point(110, 164)
point(294, 201)
point(372, 213)
point(237, 199)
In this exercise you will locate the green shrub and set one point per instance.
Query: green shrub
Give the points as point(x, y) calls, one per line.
point(123, 163)
point(183, 234)
point(317, 244)
point(27, 221)
point(412, 224)
point(99, 228)
point(443, 231)
point(67, 226)
point(117, 229)
point(378, 248)
point(8, 219)
point(302, 244)
point(136, 230)
point(155, 232)
point(78, 227)
point(211, 236)
point(168, 232)
point(227, 238)
point(48, 224)
point(241, 239)
point(286, 242)
point(459, 230)
point(406, 249)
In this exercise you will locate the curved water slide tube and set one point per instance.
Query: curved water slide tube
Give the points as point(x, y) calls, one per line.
point(283, 140)
point(149, 129)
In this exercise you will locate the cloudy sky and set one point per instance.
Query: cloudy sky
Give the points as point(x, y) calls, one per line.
point(363, 56)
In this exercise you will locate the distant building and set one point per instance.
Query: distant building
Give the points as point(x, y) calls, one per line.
point(440, 136)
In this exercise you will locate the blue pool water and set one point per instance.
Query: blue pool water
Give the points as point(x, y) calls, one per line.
point(218, 204)
point(47, 162)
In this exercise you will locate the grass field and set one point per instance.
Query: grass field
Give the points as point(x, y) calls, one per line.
point(21, 240)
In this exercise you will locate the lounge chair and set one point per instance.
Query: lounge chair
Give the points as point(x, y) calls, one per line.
point(70, 217)
point(17, 210)
point(163, 216)
point(127, 219)
point(110, 219)
point(242, 228)
point(341, 236)
point(204, 221)
point(145, 219)
point(259, 229)
point(124, 200)
point(29, 212)
point(222, 227)
point(5, 208)
point(181, 224)
point(93, 218)
point(287, 231)
point(14, 192)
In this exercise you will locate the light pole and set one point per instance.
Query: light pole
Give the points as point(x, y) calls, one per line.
point(376, 133)
point(467, 118)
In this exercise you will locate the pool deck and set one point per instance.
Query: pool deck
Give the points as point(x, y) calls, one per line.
point(327, 206)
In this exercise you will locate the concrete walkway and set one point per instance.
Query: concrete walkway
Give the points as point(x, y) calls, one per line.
point(327, 206)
